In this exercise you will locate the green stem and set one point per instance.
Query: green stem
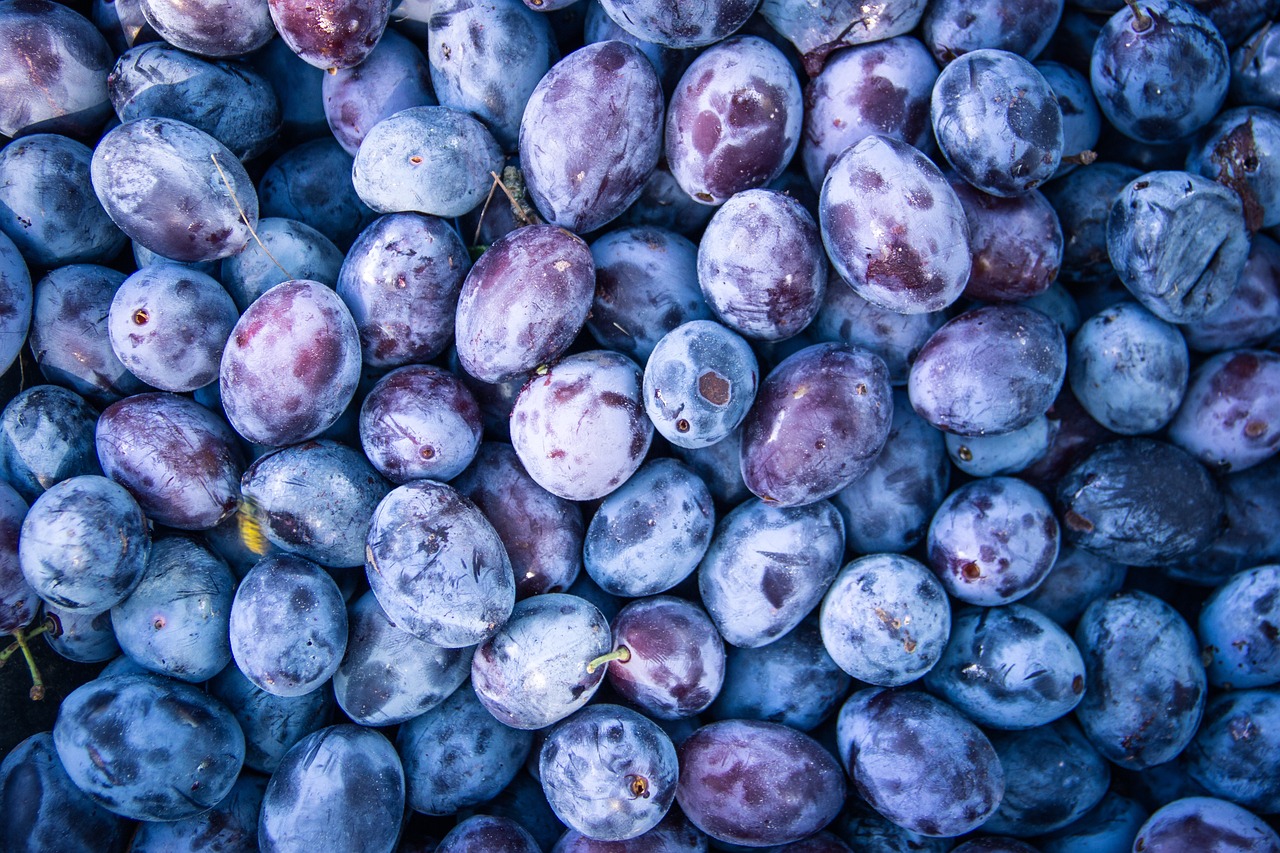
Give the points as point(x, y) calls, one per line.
point(621, 653)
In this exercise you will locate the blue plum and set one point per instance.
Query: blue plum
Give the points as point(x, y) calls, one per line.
point(229, 827)
point(698, 25)
point(1076, 579)
point(288, 626)
point(1006, 453)
point(420, 422)
point(271, 724)
point(304, 184)
point(211, 27)
point(1251, 315)
point(699, 383)
point(1238, 739)
point(285, 249)
point(817, 30)
point(456, 755)
point(46, 436)
point(484, 834)
point(341, 789)
point(674, 660)
point(84, 544)
point(393, 77)
point(437, 565)
point(176, 620)
point(1207, 824)
point(885, 620)
point(1083, 201)
point(1236, 628)
point(148, 747)
point(767, 567)
point(331, 34)
point(1144, 683)
point(16, 302)
point(1016, 244)
point(1109, 827)
point(954, 27)
point(1230, 417)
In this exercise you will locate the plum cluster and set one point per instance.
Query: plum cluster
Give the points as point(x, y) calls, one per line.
point(635, 426)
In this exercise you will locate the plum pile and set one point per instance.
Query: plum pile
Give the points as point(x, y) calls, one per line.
point(626, 426)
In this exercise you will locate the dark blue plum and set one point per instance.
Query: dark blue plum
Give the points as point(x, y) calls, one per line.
point(331, 34)
point(169, 324)
point(817, 30)
point(888, 508)
point(298, 87)
point(47, 204)
point(580, 428)
point(609, 772)
point(227, 100)
point(1006, 453)
point(291, 365)
point(1083, 201)
point(288, 626)
point(84, 544)
point(41, 809)
point(893, 227)
point(990, 370)
point(758, 784)
point(955, 27)
point(919, 762)
point(401, 281)
point(719, 467)
point(15, 302)
point(229, 827)
point(1253, 69)
point(523, 302)
point(393, 77)
point(420, 422)
point(1109, 827)
point(591, 135)
point(699, 383)
point(1129, 369)
point(865, 831)
point(1141, 502)
point(997, 121)
point(1081, 118)
point(646, 286)
point(289, 250)
point(761, 265)
point(1251, 314)
point(271, 724)
point(175, 189)
point(456, 755)
point(1205, 824)
point(820, 419)
point(312, 184)
point(1239, 150)
point(1009, 667)
point(885, 620)
point(543, 664)
point(46, 436)
point(427, 159)
point(1159, 70)
point(179, 460)
point(663, 204)
point(1238, 630)
point(651, 533)
point(148, 747)
point(673, 835)
point(69, 333)
point(211, 27)
point(880, 88)
point(18, 601)
point(176, 620)
point(734, 120)
point(1059, 777)
point(669, 62)
point(54, 70)
point(486, 58)
point(388, 675)
point(484, 834)
point(341, 789)
point(542, 533)
point(437, 565)
point(671, 661)
point(1016, 244)
point(768, 567)
point(993, 541)
point(81, 637)
point(1230, 417)
point(315, 500)
point(1076, 579)
point(1144, 683)
point(1238, 740)
point(1178, 242)
point(792, 681)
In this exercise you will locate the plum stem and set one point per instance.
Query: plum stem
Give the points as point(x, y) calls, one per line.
point(21, 637)
point(1256, 45)
point(621, 653)
point(1084, 158)
point(1141, 21)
